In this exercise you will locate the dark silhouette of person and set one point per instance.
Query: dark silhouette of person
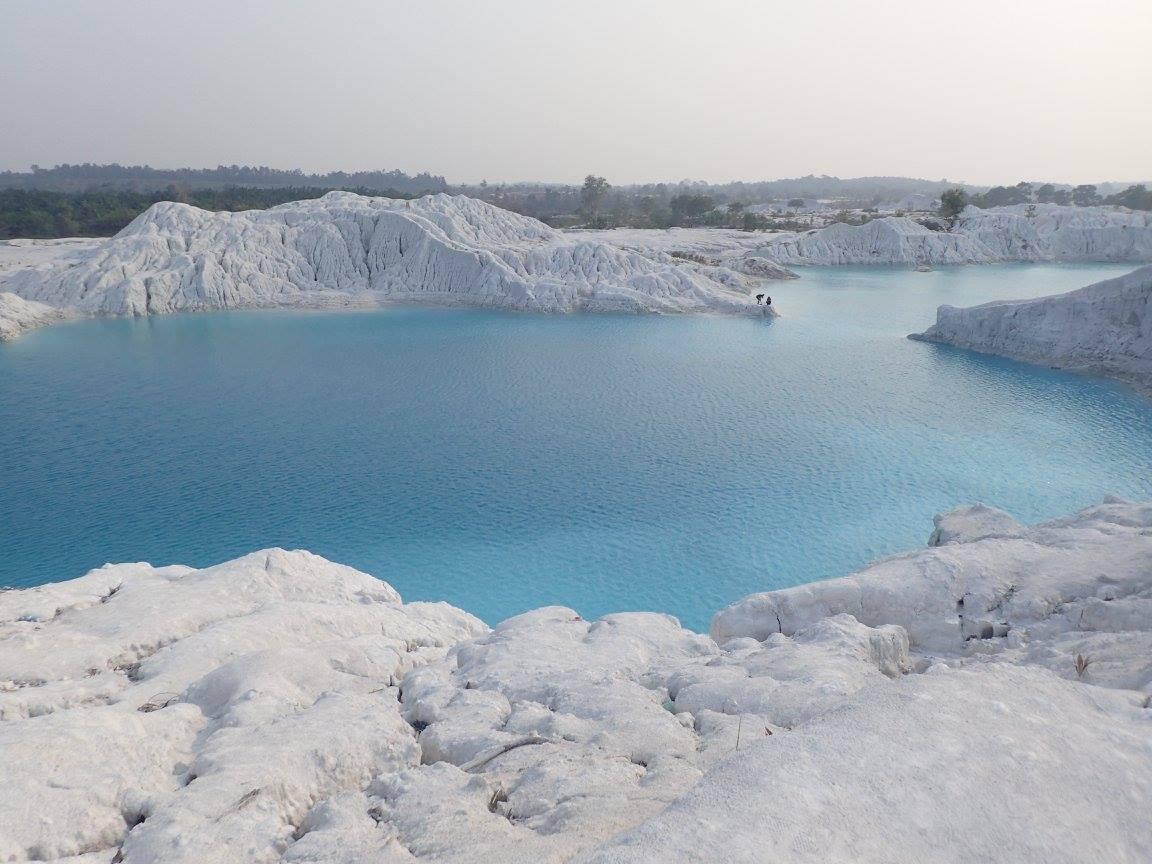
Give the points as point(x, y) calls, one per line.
point(760, 297)
point(767, 301)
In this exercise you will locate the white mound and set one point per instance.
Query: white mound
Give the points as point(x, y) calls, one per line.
point(956, 766)
point(18, 315)
point(1052, 232)
point(283, 669)
point(725, 247)
point(346, 248)
point(1042, 232)
point(1104, 328)
point(1078, 584)
point(283, 708)
point(891, 240)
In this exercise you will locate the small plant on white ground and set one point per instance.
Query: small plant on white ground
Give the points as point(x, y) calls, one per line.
point(1082, 663)
point(498, 797)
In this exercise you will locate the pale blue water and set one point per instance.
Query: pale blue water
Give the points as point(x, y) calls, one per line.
point(503, 462)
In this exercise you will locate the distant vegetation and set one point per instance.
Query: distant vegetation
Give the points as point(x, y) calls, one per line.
point(99, 200)
point(38, 213)
point(695, 202)
point(1135, 197)
point(592, 195)
point(598, 204)
point(952, 202)
point(144, 178)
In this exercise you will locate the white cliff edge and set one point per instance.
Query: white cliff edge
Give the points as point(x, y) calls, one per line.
point(1020, 233)
point(279, 707)
point(346, 249)
point(1104, 328)
point(18, 315)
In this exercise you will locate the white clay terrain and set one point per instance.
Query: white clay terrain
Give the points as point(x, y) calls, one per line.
point(1105, 328)
point(1043, 233)
point(1028, 233)
point(890, 240)
point(280, 707)
point(19, 254)
point(726, 247)
point(18, 315)
point(347, 249)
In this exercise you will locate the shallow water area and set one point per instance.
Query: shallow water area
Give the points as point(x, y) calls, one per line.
point(503, 462)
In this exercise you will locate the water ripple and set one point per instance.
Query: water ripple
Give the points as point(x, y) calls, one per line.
point(503, 462)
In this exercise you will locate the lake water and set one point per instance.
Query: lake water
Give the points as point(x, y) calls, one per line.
point(503, 462)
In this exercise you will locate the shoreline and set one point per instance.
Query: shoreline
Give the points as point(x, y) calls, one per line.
point(369, 303)
point(1136, 383)
point(1100, 329)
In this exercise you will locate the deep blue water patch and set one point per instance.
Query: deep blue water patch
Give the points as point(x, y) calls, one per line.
point(503, 462)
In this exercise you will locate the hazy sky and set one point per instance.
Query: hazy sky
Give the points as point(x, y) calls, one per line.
point(981, 90)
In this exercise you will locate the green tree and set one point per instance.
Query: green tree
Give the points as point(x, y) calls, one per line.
point(686, 208)
point(592, 195)
point(952, 202)
point(1003, 196)
point(1136, 197)
point(1085, 195)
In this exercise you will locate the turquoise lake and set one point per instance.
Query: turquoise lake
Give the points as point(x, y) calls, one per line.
point(503, 462)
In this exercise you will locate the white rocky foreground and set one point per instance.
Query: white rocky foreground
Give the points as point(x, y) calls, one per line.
point(931, 707)
point(1030, 233)
point(349, 249)
point(1104, 328)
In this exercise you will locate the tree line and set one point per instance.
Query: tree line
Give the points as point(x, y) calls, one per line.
point(40, 213)
point(1135, 197)
point(144, 178)
point(597, 203)
point(99, 200)
point(600, 208)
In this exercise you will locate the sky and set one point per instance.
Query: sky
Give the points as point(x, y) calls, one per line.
point(982, 91)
